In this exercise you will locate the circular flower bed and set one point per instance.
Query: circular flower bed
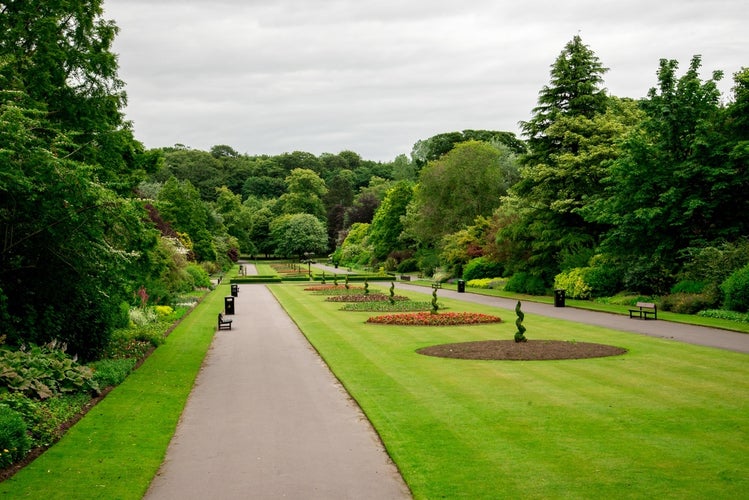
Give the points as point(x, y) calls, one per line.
point(429, 319)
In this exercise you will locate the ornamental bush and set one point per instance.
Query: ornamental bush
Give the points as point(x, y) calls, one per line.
point(14, 441)
point(736, 290)
point(481, 267)
point(523, 282)
point(574, 284)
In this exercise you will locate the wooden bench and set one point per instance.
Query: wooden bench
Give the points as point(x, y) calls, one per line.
point(405, 277)
point(223, 324)
point(644, 310)
point(436, 284)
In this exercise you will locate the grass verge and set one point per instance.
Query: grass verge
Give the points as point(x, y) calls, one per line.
point(665, 420)
point(117, 448)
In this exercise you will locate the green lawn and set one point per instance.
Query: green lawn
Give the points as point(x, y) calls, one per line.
point(115, 451)
point(666, 420)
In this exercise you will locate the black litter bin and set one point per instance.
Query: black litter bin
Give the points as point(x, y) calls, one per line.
point(461, 286)
point(228, 305)
point(234, 290)
point(559, 298)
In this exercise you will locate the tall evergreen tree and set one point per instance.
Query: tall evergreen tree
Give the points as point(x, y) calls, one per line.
point(571, 136)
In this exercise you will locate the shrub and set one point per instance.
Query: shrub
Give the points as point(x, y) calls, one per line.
point(111, 372)
point(688, 286)
point(685, 303)
point(574, 283)
point(199, 276)
point(14, 441)
point(140, 316)
point(408, 266)
point(523, 282)
point(481, 267)
point(736, 290)
point(723, 314)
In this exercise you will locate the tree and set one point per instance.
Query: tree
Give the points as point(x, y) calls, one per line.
point(439, 145)
point(180, 204)
point(677, 182)
point(386, 225)
point(297, 234)
point(572, 135)
point(465, 183)
point(305, 191)
point(575, 89)
point(59, 54)
point(71, 248)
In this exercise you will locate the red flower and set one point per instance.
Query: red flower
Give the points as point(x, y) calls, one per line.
point(430, 319)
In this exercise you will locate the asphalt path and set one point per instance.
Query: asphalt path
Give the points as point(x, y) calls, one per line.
point(267, 419)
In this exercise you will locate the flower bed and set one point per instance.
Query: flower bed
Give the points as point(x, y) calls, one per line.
point(361, 297)
point(429, 319)
point(386, 306)
point(334, 289)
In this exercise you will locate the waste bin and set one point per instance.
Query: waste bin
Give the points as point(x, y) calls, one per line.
point(559, 298)
point(461, 286)
point(228, 305)
point(234, 290)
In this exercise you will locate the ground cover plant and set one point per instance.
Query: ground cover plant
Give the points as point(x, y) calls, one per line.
point(664, 420)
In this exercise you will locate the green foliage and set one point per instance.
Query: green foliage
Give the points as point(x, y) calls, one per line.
point(453, 191)
point(112, 372)
point(487, 283)
point(482, 267)
point(688, 286)
point(520, 334)
point(408, 265)
point(723, 314)
point(386, 225)
point(736, 290)
point(296, 234)
point(686, 303)
point(523, 282)
point(574, 283)
point(14, 442)
point(200, 278)
point(44, 372)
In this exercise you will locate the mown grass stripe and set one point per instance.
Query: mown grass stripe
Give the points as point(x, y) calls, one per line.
point(666, 419)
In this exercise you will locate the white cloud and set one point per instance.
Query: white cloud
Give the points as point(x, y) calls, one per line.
point(375, 77)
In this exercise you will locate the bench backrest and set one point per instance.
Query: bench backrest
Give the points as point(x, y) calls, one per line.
point(220, 318)
point(649, 305)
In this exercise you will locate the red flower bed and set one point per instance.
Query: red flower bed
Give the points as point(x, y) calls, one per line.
point(429, 319)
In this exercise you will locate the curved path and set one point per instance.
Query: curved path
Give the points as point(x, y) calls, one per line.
point(266, 419)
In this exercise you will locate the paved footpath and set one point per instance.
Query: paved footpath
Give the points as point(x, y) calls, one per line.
point(266, 419)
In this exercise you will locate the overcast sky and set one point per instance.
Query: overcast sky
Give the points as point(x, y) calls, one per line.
point(374, 77)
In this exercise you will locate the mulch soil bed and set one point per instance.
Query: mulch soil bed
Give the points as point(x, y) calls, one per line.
point(532, 350)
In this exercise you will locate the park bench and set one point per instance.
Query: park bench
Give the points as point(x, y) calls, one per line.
point(436, 284)
point(223, 324)
point(405, 277)
point(644, 309)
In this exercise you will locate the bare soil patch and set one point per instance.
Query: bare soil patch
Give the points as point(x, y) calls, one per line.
point(532, 350)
